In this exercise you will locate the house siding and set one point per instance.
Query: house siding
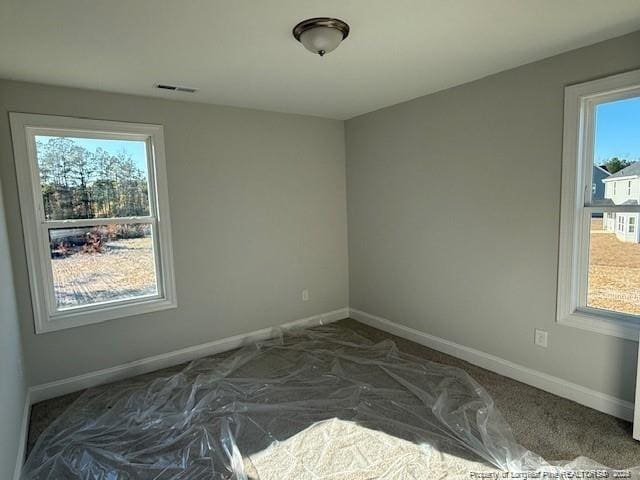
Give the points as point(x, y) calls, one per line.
point(623, 190)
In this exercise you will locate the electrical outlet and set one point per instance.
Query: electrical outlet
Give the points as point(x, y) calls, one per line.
point(541, 338)
point(305, 295)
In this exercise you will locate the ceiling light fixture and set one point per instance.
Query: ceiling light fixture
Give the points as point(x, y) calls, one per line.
point(321, 35)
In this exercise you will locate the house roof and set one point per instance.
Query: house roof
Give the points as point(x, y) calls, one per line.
point(630, 171)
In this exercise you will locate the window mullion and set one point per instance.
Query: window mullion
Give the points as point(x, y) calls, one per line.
point(92, 222)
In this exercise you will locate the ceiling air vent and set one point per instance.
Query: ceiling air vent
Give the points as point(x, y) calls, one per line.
point(176, 88)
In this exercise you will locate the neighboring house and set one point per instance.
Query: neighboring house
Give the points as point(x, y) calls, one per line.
point(623, 188)
point(597, 187)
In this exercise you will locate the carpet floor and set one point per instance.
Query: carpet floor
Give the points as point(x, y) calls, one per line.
point(555, 428)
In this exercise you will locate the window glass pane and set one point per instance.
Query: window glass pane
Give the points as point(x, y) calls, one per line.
point(614, 263)
point(92, 178)
point(102, 264)
point(616, 153)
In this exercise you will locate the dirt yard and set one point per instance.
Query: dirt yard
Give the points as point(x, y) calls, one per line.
point(614, 272)
point(124, 269)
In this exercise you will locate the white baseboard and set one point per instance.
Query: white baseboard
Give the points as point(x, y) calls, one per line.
point(562, 388)
point(24, 433)
point(57, 388)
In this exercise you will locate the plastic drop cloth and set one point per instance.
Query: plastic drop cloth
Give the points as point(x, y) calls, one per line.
point(309, 404)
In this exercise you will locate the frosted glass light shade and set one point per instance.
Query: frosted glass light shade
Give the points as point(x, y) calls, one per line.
point(321, 40)
point(321, 34)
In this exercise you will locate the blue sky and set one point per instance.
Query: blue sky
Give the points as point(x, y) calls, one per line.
point(618, 130)
point(137, 149)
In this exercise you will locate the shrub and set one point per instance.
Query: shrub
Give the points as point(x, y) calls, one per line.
point(93, 243)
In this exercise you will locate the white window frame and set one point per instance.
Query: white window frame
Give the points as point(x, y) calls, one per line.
point(577, 160)
point(47, 318)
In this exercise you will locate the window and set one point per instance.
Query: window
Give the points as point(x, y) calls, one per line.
point(95, 215)
point(599, 264)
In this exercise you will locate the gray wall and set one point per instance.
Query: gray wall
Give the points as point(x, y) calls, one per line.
point(453, 221)
point(13, 384)
point(258, 209)
point(453, 212)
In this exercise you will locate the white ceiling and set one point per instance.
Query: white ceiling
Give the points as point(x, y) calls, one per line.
point(241, 52)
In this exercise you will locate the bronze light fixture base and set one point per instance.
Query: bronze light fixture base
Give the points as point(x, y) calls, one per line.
point(326, 22)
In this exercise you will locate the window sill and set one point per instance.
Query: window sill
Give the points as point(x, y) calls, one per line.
point(72, 319)
point(612, 326)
